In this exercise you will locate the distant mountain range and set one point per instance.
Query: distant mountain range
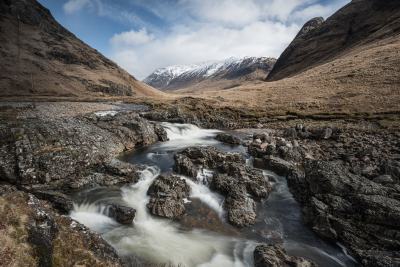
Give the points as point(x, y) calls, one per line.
point(230, 70)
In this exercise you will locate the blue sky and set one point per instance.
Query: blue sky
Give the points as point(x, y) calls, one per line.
point(143, 35)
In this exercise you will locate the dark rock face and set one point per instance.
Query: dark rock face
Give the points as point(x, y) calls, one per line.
point(278, 165)
point(122, 214)
point(360, 213)
point(45, 238)
point(58, 200)
point(310, 26)
point(357, 23)
point(228, 139)
point(346, 181)
point(275, 256)
point(71, 153)
point(167, 194)
point(240, 184)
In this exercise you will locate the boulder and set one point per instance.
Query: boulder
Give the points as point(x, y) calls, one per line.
point(228, 139)
point(59, 201)
point(383, 179)
point(278, 165)
point(33, 234)
point(276, 256)
point(240, 184)
point(120, 213)
point(167, 194)
point(241, 208)
point(349, 208)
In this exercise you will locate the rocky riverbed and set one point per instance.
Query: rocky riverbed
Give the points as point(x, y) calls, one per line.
point(345, 178)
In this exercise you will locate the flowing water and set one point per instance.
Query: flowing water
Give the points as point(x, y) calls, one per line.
point(202, 238)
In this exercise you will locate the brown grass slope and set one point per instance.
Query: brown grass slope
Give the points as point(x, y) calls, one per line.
point(358, 23)
point(363, 78)
point(366, 80)
point(39, 57)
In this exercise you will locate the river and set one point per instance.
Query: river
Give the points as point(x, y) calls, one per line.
point(197, 240)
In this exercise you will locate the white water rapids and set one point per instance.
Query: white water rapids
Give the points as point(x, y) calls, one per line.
point(161, 241)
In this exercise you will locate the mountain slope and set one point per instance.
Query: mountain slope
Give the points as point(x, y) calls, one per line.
point(218, 74)
point(360, 22)
point(362, 79)
point(39, 57)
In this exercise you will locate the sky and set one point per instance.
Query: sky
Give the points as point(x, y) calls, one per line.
point(144, 35)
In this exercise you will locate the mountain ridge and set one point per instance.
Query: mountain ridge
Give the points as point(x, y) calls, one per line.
point(181, 76)
point(320, 41)
point(42, 58)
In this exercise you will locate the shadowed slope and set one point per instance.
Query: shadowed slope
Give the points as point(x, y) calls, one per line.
point(39, 57)
point(358, 23)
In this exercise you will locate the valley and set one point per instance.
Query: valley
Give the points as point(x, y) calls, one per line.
point(248, 161)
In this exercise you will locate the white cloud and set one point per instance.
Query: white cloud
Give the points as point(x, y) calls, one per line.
point(132, 38)
point(73, 6)
point(209, 42)
point(203, 30)
point(318, 10)
point(232, 12)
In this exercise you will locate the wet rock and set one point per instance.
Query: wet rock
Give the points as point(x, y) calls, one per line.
point(241, 208)
point(38, 236)
point(349, 208)
point(228, 139)
point(167, 194)
point(383, 179)
point(58, 200)
point(240, 184)
point(276, 256)
point(392, 168)
point(185, 166)
point(161, 133)
point(122, 214)
point(278, 165)
point(351, 194)
point(64, 153)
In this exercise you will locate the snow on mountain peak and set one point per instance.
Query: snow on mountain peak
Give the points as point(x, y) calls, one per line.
point(161, 78)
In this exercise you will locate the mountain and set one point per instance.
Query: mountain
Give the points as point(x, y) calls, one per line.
point(229, 72)
point(332, 71)
point(39, 57)
point(358, 23)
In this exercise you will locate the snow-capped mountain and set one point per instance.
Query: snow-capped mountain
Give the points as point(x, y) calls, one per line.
point(181, 76)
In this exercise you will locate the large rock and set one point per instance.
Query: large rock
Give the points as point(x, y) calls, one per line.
point(275, 256)
point(359, 22)
point(167, 194)
point(72, 152)
point(278, 165)
point(240, 184)
point(32, 234)
point(58, 200)
point(345, 207)
point(122, 214)
point(228, 139)
point(241, 208)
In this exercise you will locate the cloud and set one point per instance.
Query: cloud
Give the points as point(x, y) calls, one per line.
point(132, 38)
point(203, 30)
point(73, 6)
point(318, 10)
point(209, 42)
